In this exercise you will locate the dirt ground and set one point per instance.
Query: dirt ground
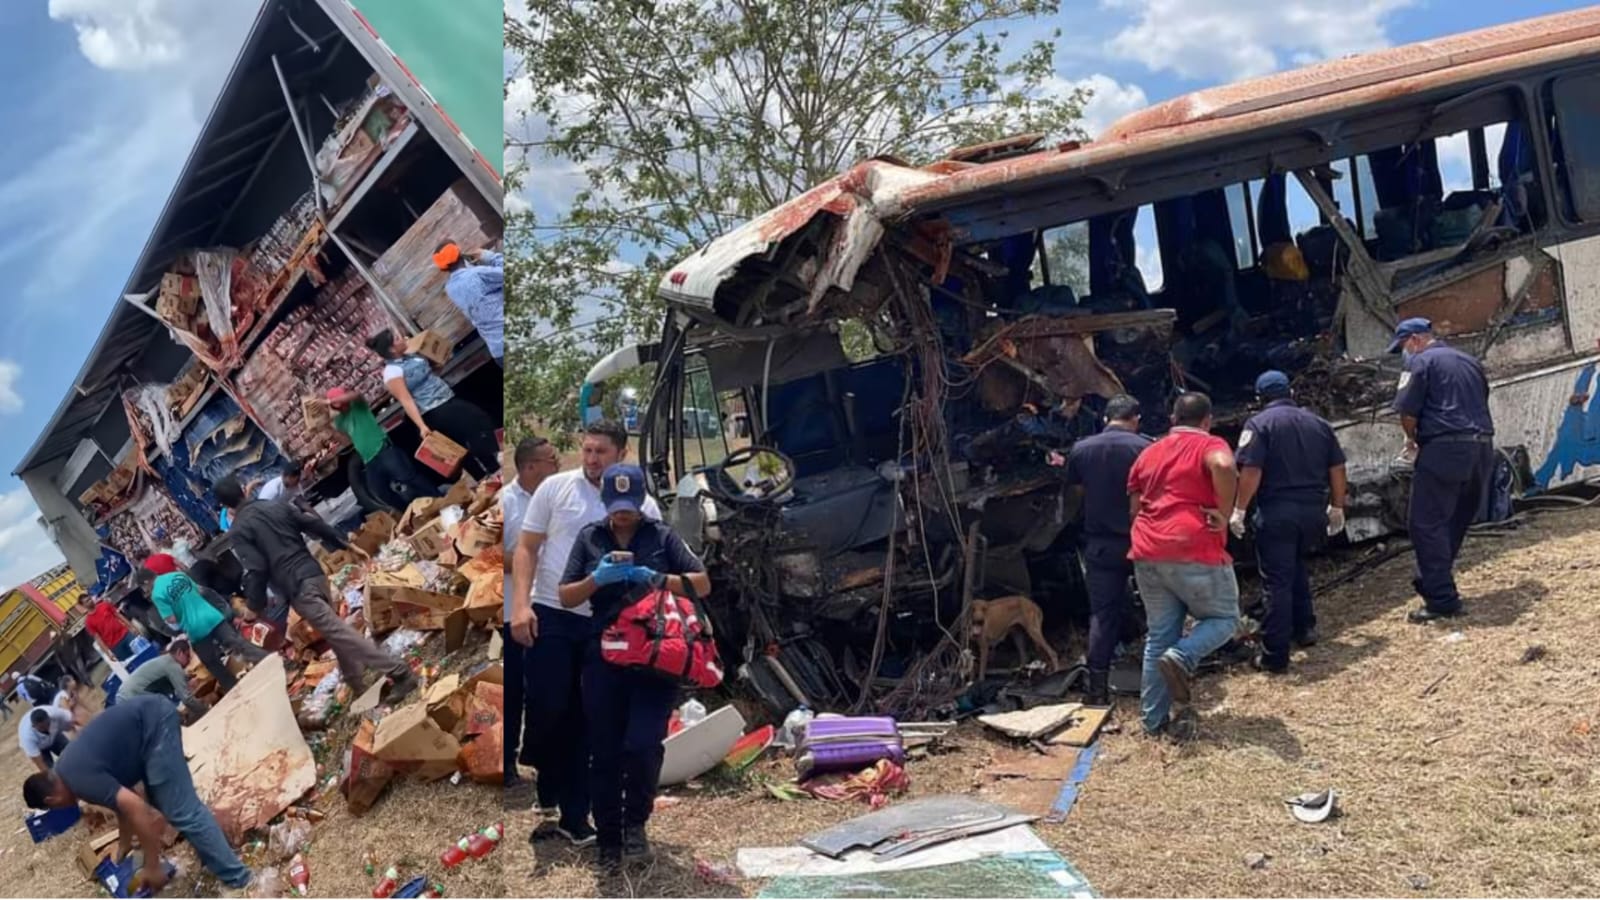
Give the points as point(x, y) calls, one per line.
point(411, 824)
point(1462, 770)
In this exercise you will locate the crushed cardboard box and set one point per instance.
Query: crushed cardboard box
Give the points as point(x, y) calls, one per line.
point(429, 540)
point(374, 532)
point(424, 509)
point(396, 599)
point(365, 775)
point(411, 742)
point(480, 532)
point(485, 602)
point(483, 754)
point(431, 346)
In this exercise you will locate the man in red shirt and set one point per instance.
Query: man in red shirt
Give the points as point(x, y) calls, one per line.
point(1181, 491)
point(105, 623)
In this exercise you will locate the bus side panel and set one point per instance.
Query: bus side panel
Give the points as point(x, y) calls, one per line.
point(1580, 269)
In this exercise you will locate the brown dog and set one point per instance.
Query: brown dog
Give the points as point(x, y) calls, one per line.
point(992, 620)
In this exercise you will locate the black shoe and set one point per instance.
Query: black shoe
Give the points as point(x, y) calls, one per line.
point(1309, 639)
point(610, 861)
point(579, 835)
point(1176, 676)
point(1098, 691)
point(400, 688)
point(635, 845)
point(1260, 664)
point(1181, 728)
point(1425, 615)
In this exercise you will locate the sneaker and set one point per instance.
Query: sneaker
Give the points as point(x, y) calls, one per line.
point(1425, 615)
point(579, 835)
point(1175, 675)
point(635, 845)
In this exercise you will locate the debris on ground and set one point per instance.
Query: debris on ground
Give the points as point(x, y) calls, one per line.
point(1256, 860)
point(1314, 807)
point(1533, 654)
point(873, 785)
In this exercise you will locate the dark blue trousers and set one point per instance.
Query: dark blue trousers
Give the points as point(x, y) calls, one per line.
point(516, 708)
point(1106, 571)
point(628, 711)
point(1447, 488)
point(1287, 532)
point(554, 735)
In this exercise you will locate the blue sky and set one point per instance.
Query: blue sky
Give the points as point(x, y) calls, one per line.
point(104, 100)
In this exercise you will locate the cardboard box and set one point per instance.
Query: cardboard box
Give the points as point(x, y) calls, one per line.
point(432, 346)
point(430, 539)
point(317, 414)
point(441, 454)
point(447, 703)
point(480, 532)
point(376, 531)
point(365, 775)
point(338, 559)
point(396, 599)
point(179, 285)
point(411, 742)
point(483, 754)
point(424, 509)
point(485, 602)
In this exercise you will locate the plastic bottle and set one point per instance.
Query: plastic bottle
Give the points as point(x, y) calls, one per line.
point(391, 880)
point(454, 855)
point(299, 875)
point(794, 727)
point(691, 712)
point(483, 843)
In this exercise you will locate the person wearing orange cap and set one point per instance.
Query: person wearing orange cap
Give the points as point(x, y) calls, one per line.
point(478, 291)
point(390, 475)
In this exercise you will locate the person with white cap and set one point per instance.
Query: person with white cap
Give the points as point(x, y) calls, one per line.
point(1292, 467)
point(1443, 402)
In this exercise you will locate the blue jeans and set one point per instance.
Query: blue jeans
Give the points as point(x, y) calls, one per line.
point(1172, 591)
point(171, 788)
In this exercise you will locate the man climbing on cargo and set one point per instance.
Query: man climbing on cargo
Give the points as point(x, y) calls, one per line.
point(558, 637)
point(270, 541)
point(390, 475)
point(1443, 402)
point(478, 291)
point(139, 741)
point(184, 608)
point(1292, 467)
point(1181, 493)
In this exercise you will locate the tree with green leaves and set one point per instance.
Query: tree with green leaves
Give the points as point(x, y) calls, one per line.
point(674, 122)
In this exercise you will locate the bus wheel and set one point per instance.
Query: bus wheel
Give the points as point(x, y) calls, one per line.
point(356, 472)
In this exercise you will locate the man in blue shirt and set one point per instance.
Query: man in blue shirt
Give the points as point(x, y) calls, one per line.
point(139, 740)
point(1291, 465)
point(1443, 402)
point(478, 291)
point(1097, 470)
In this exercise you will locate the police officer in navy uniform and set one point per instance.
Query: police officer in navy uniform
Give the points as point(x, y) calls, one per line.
point(1291, 465)
point(627, 710)
point(1097, 469)
point(1443, 401)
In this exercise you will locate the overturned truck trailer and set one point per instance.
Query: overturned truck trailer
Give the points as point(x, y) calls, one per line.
point(852, 504)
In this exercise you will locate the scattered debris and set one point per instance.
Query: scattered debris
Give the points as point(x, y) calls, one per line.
point(874, 785)
point(1454, 637)
point(1313, 807)
point(1086, 725)
point(1419, 882)
point(847, 743)
point(715, 872)
point(913, 825)
point(1534, 653)
point(697, 749)
point(1032, 723)
point(1256, 860)
point(1069, 788)
point(773, 862)
point(1428, 691)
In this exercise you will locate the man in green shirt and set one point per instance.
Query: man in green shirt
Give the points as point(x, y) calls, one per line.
point(390, 475)
point(181, 604)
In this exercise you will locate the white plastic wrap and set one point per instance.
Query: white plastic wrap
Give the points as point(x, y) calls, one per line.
point(215, 271)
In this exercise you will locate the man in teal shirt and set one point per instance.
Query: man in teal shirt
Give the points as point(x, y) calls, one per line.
point(390, 475)
point(209, 630)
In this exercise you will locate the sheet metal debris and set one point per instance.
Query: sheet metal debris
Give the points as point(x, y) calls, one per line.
point(914, 825)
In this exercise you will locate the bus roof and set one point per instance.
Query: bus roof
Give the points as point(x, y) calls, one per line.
point(876, 192)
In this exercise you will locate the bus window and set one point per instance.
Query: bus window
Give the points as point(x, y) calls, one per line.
point(1575, 100)
point(1241, 217)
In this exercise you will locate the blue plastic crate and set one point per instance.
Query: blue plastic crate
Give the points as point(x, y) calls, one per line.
point(115, 877)
point(46, 825)
point(113, 683)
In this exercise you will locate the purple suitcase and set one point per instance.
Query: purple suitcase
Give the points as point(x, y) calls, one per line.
point(848, 744)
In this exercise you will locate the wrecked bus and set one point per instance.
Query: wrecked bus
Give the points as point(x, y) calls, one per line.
point(864, 498)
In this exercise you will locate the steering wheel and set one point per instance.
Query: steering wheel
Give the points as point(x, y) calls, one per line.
point(730, 488)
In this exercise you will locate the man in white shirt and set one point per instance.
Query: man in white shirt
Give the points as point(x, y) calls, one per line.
point(557, 638)
point(42, 735)
point(536, 460)
point(286, 484)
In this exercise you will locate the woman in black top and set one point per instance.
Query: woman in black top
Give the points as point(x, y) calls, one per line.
point(627, 710)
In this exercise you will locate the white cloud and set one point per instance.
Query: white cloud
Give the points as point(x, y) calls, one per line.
point(1226, 40)
point(124, 34)
point(25, 549)
point(10, 376)
point(1109, 99)
point(516, 204)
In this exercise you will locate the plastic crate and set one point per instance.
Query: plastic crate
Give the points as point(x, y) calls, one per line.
point(113, 683)
point(116, 877)
point(46, 825)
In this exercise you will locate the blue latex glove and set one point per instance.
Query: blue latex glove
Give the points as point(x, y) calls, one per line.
point(641, 575)
point(609, 573)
